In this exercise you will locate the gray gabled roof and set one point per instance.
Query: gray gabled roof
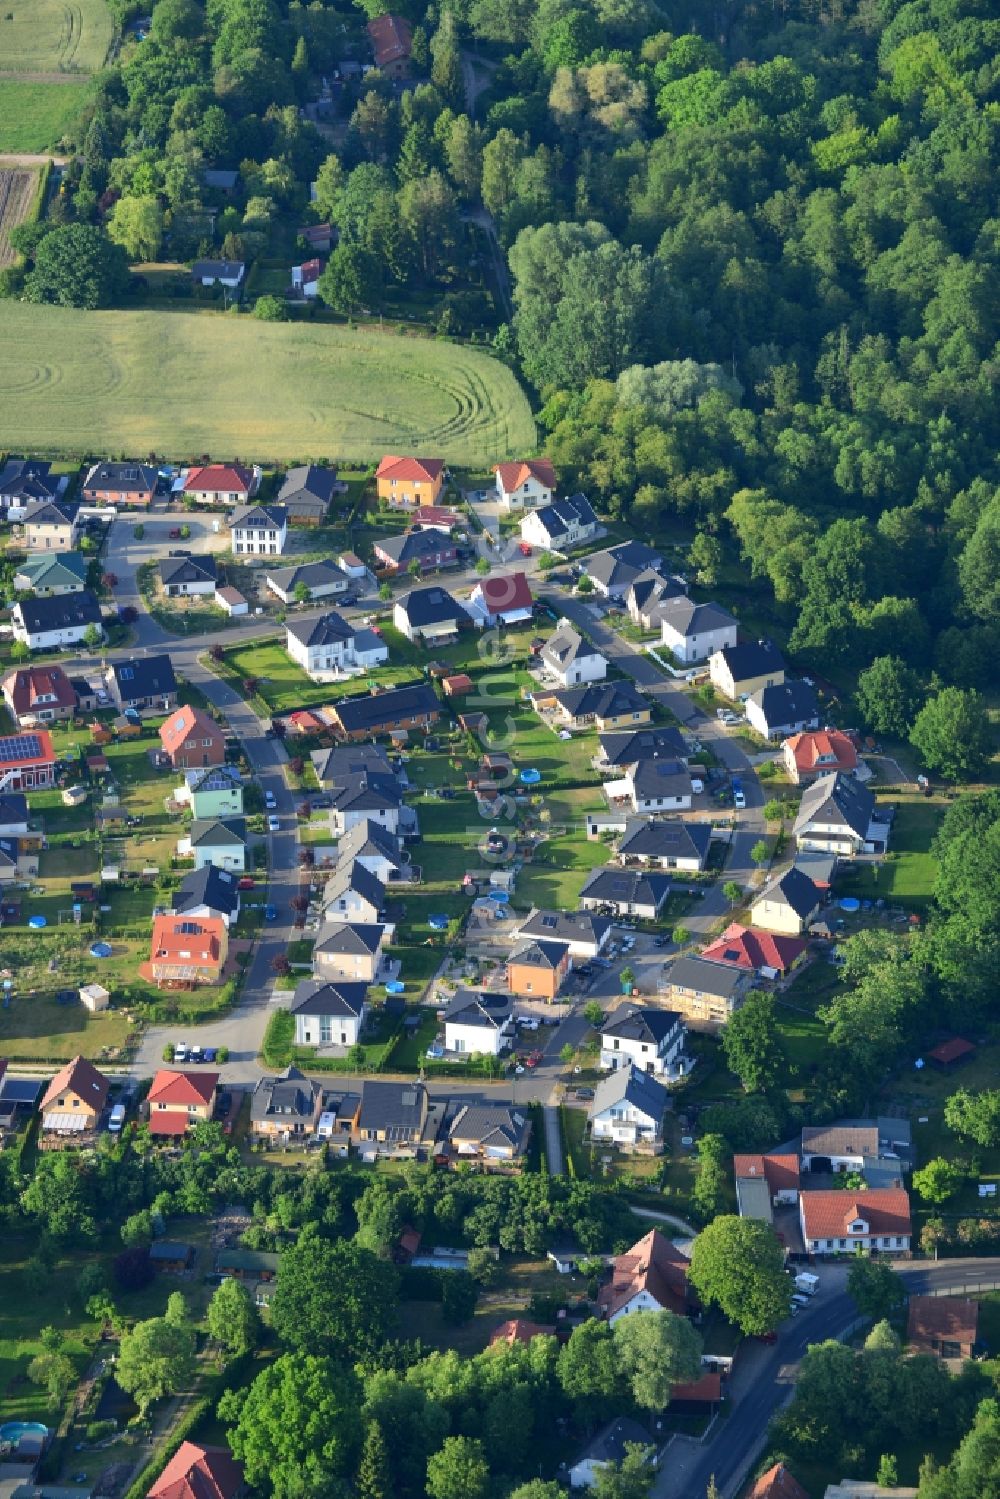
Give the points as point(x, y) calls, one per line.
point(367, 791)
point(62, 612)
point(720, 979)
point(491, 1124)
point(689, 618)
point(208, 886)
point(145, 676)
point(288, 1095)
point(326, 997)
point(391, 1106)
point(617, 566)
point(626, 886)
point(432, 605)
point(332, 765)
point(351, 876)
point(478, 1007)
point(663, 778)
point(313, 574)
point(629, 1085)
point(221, 270)
point(214, 832)
point(651, 588)
point(258, 518)
point(349, 937)
point(308, 482)
point(368, 839)
point(126, 477)
point(657, 838)
point(564, 926)
point(403, 549)
point(837, 799)
point(566, 646)
point(602, 699)
point(559, 517)
point(752, 658)
point(374, 711)
point(786, 704)
point(174, 570)
point(641, 1023)
point(51, 513)
point(629, 746)
point(318, 630)
point(539, 954)
point(796, 889)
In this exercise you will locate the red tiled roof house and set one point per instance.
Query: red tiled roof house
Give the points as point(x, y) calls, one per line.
point(74, 1099)
point(38, 694)
point(408, 481)
point(526, 484)
point(777, 1483)
point(191, 739)
point(196, 1472)
point(649, 1277)
point(187, 950)
point(844, 1222)
point(768, 953)
point(392, 43)
point(808, 756)
point(180, 1100)
point(221, 484)
point(501, 599)
point(27, 761)
point(947, 1325)
point(764, 1182)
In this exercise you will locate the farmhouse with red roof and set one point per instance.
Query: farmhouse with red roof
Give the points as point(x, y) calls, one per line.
point(409, 481)
point(38, 694)
point(844, 1222)
point(651, 1277)
point(392, 42)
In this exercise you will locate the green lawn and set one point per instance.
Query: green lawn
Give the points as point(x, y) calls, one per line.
point(228, 384)
point(284, 687)
point(906, 877)
point(33, 118)
point(45, 36)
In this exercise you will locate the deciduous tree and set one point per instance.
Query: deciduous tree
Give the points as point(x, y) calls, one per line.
point(737, 1264)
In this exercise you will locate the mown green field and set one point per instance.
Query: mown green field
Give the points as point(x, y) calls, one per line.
point(183, 384)
point(49, 36)
point(34, 116)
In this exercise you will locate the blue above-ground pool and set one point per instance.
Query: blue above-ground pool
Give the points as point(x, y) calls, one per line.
point(100, 949)
point(530, 777)
point(849, 903)
point(394, 987)
point(13, 1431)
point(500, 897)
point(37, 922)
point(438, 923)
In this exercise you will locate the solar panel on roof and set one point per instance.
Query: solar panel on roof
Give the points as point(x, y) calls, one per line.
point(19, 1090)
point(20, 747)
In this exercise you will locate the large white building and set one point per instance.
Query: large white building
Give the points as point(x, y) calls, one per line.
point(326, 646)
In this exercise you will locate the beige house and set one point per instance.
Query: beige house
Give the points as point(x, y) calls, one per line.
point(704, 993)
point(349, 950)
point(739, 670)
point(51, 526)
point(788, 905)
point(75, 1099)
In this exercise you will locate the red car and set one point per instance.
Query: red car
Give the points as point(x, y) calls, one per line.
point(246, 883)
point(175, 533)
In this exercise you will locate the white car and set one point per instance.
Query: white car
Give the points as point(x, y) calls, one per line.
point(270, 800)
point(739, 800)
point(273, 825)
point(180, 1051)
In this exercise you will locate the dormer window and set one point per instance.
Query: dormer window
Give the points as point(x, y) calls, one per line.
point(859, 1226)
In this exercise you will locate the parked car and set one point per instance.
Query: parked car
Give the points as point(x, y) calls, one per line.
point(270, 913)
point(270, 800)
point(194, 1055)
point(273, 824)
point(180, 1051)
point(584, 1094)
point(174, 533)
point(245, 882)
point(117, 1118)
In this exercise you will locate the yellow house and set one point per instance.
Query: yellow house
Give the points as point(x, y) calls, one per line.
point(74, 1099)
point(409, 481)
point(739, 670)
point(788, 905)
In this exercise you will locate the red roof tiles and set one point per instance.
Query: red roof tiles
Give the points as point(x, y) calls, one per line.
point(219, 478)
point(82, 1078)
point(392, 39)
point(24, 689)
point(411, 470)
point(828, 749)
point(652, 1265)
point(781, 1172)
point(942, 1319)
point(518, 1330)
point(513, 475)
point(749, 948)
point(199, 1473)
point(777, 1483)
point(503, 593)
point(951, 1051)
point(182, 724)
point(182, 1088)
point(826, 1215)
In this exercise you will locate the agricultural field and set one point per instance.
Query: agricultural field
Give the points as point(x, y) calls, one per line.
point(187, 383)
point(18, 190)
point(35, 114)
point(42, 37)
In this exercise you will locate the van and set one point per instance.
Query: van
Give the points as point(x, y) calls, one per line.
point(117, 1118)
point(180, 1051)
point(807, 1283)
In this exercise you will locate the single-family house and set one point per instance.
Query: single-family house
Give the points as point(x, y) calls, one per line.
point(325, 645)
point(211, 840)
point(614, 570)
point(180, 1100)
point(809, 756)
point(490, 1132)
point(305, 278)
point(51, 526)
point(48, 574)
point(435, 518)
point(13, 816)
point(519, 1330)
point(208, 891)
point(537, 968)
point(646, 1038)
point(778, 1483)
point(609, 1446)
point(872, 1146)
point(478, 1022)
point(130, 485)
point(836, 816)
point(585, 934)
point(50, 623)
point(321, 580)
point(188, 577)
point(27, 761)
point(414, 707)
point(609, 705)
point(285, 1106)
point(25, 481)
point(171, 1256)
point(216, 791)
point(145, 684)
point(220, 180)
point(227, 273)
point(191, 740)
point(329, 1012)
point(258, 530)
point(848, 1222)
point(197, 1472)
point(765, 1182)
point(562, 525)
point(365, 796)
point(946, 1325)
point(649, 1277)
point(620, 751)
point(705, 993)
point(370, 843)
point(788, 904)
point(429, 615)
point(221, 484)
point(392, 45)
point(783, 709)
point(525, 484)
point(307, 493)
point(653, 786)
point(501, 599)
point(662, 843)
point(738, 670)
point(393, 1114)
point(345, 950)
point(409, 481)
point(38, 695)
point(769, 954)
point(628, 1108)
point(648, 592)
point(625, 892)
point(354, 894)
point(187, 950)
point(74, 1100)
point(571, 659)
point(332, 765)
point(695, 632)
point(428, 549)
point(323, 236)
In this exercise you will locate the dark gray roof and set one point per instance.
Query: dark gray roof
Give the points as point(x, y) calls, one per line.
point(539, 954)
point(145, 676)
point(565, 926)
point(617, 566)
point(403, 549)
point(222, 270)
point(368, 839)
point(478, 1007)
point(321, 997)
point(561, 516)
point(60, 613)
point(258, 518)
point(174, 570)
point(374, 711)
point(838, 799)
point(217, 832)
point(349, 937)
point(708, 977)
point(366, 791)
point(27, 479)
point(602, 700)
point(664, 778)
point(609, 1444)
point(51, 513)
point(689, 618)
point(392, 1106)
point(626, 886)
point(566, 646)
point(650, 588)
point(350, 875)
point(629, 1085)
point(657, 838)
point(209, 886)
point(13, 807)
point(318, 630)
point(349, 759)
point(123, 476)
point(491, 1124)
point(641, 1023)
point(288, 1095)
point(796, 889)
point(308, 483)
point(629, 746)
point(752, 658)
point(431, 606)
point(220, 177)
point(313, 574)
point(170, 1250)
point(214, 778)
point(787, 704)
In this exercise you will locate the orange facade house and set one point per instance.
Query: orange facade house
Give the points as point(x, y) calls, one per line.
point(187, 950)
point(192, 740)
point(180, 1100)
point(409, 481)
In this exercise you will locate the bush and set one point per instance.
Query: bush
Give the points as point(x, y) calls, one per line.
point(133, 1269)
point(168, 1052)
point(222, 1054)
point(96, 1431)
point(138, 532)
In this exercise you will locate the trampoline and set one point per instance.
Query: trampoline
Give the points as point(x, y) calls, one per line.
point(849, 903)
point(37, 922)
point(530, 777)
point(100, 949)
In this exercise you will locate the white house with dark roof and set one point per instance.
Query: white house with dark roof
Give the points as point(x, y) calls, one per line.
point(218, 841)
point(329, 1012)
point(613, 571)
point(364, 796)
point(353, 893)
point(738, 670)
point(51, 525)
point(585, 934)
point(145, 684)
point(209, 891)
point(429, 614)
point(625, 892)
point(571, 659)
point(653, 786)
point(649, 1039)
point(607, 704)
point(788, 904)
point(609, 1446)
point(694, 632)
point(628, 1108)
point(478, 1023)
point(648, 592)
point(370, 843)
point(327, 647)
point(323, 579)
point(258, 530)
point(619, 751)
point(665, 843)
point(836, 816)
point(187, 577)
point(47, 624)
point(562, 525)
point(786, 708)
